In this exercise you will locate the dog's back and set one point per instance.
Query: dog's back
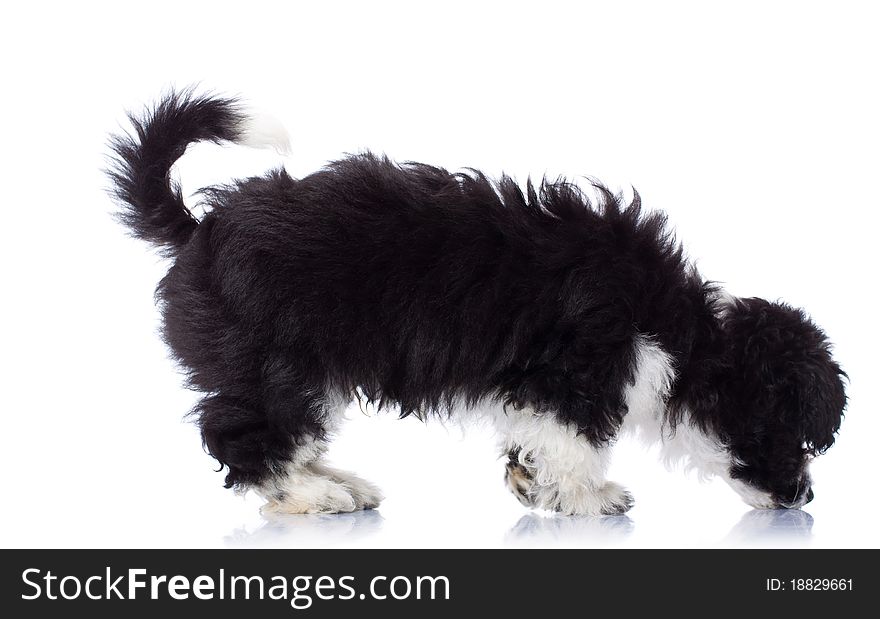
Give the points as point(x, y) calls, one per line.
point(419, 285)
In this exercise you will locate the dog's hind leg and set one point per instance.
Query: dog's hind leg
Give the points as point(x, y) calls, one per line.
point(274, 445)
point(312, 487)
point(551, 467)
point(306, 483)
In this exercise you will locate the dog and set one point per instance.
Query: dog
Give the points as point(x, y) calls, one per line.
point(563, 316)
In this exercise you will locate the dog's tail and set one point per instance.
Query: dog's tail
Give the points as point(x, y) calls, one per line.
point(152, 203)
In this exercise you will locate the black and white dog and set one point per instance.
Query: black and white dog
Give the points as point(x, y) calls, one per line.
point(565, 320)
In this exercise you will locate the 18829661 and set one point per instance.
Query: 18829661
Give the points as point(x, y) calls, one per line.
point(810, 584)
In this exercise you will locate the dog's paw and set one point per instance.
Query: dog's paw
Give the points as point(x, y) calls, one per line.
point(365, 494)
point(311, 495)
point(574, 498)
point(615, 499)
point(520, 482)
point(565, 495)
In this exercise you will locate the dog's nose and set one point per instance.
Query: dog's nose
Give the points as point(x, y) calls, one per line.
point(810, 496)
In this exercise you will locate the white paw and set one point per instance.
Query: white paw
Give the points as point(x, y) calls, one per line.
point(575, 498)
point(365, 494)
point(309, 494)
point(615, 499)
point(566, 496)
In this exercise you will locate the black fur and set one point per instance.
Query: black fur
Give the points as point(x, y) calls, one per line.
point(153, 205)
point(418, 286)
point(772, 393)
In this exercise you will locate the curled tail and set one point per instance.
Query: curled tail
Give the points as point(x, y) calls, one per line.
point(153, 206)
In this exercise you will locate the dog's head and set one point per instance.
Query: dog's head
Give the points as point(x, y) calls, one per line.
point(780, 403)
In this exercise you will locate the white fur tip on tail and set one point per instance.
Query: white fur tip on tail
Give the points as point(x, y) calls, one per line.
point(259, 130)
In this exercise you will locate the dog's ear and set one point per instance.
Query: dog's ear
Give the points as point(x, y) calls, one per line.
point(821, 401)
point(785, 374)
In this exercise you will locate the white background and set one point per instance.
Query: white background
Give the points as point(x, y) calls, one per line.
point(754, 126)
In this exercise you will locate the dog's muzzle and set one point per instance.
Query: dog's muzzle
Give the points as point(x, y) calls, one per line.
point(799, 501)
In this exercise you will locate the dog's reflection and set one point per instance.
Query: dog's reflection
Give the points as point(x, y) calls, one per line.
point(761, 527)
point(772, 527)
point(533, 529)
point(308, 530)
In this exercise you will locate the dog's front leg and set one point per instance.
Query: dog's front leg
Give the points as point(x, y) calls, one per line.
point(551, 467)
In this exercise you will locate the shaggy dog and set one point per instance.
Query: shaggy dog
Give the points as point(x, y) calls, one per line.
point(565, 320)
